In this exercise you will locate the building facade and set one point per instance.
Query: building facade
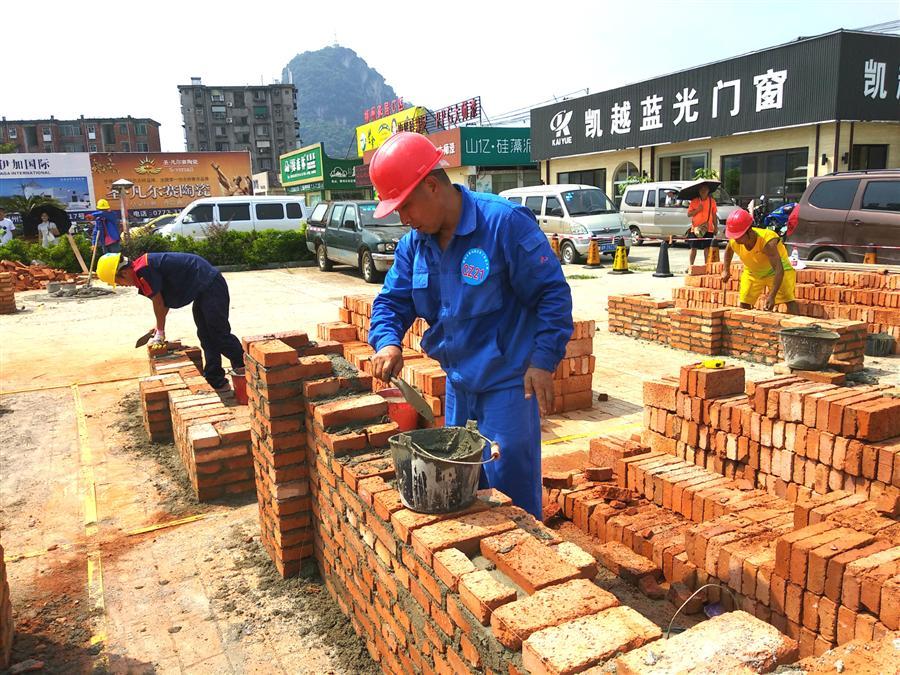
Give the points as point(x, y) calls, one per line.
point(260, 119)
point(86, 134)
point(311, 172)
point(766, 122)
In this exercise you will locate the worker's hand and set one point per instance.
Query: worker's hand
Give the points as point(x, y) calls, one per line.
point(770, 302)
point(387, 362)
point(726, 275)
point(159, 337)
point(539, 382)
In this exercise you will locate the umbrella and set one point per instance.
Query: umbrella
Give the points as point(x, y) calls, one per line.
point(692, 190)
point(57, 215)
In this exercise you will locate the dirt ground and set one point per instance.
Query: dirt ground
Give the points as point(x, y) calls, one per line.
point(113, 566)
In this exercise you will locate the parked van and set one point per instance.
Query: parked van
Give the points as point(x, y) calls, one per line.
point(575, 213)
point(243, 214)
point(649, 211)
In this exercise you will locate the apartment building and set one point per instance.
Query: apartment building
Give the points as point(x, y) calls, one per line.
point(85, 134)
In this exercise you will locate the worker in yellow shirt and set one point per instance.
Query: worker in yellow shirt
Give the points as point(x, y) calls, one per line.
point(766, 263)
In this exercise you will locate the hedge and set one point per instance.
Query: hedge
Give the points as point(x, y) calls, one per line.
point(225, 247)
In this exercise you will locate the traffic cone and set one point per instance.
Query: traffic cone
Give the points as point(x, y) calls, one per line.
point(871, 256)
point(620, 263)
point(662, 263)
point(593, 256)
point(713, 255)
point(554, 244)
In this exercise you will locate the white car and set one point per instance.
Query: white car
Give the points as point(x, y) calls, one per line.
point(241, 214)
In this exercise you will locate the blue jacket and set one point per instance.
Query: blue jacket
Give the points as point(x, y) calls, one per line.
point(180, 277)
point(106, 227)
point(496, 300)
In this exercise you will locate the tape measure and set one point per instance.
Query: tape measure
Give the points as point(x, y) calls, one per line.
point(714, 363)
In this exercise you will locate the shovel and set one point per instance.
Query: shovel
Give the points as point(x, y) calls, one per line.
point(414, 398)
point(144, 339)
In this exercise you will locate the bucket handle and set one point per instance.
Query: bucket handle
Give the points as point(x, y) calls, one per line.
point(495, 452)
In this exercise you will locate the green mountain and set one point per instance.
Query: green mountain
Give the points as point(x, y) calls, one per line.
point(334, 87)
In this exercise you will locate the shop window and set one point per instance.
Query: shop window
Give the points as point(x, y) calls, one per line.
point(780, 175)
point(682, 167)
point(868, 157)
point(882, 195)
point(834, 194)
point(621, 177)
point(594, 177)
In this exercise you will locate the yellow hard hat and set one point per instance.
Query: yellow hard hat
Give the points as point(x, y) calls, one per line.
point(107, 267)
point(102, 204)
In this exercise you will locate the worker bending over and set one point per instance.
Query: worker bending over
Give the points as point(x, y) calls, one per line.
point(173, 280)
point(478, 269)
point(766, 263)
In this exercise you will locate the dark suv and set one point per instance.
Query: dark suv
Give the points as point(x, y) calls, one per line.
point(347, 232)
point(843, 215)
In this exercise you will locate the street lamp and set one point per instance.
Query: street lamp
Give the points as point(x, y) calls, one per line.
point(120, 186)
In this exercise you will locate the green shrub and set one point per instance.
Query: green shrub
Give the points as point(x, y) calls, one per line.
point(59, 256)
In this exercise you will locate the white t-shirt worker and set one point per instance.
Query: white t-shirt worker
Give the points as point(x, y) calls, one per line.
point(7, 227)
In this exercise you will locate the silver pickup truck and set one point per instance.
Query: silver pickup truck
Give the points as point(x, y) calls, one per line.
point(346, 232)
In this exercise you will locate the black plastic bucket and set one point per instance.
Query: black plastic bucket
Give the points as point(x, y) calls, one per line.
point(437, 469)
point(809, 347)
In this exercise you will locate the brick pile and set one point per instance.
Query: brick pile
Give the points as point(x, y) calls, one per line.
point(714, 331)
point(7, 626)
point(33, 277)
point(7, 293)
point(796, 517)
point(869, 297)
point(571, 381)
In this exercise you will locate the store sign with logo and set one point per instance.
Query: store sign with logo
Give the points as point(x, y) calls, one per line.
point(339, 173)
point(836, 76)
point(370, 136)
point(304, 164)
point(383, 110)
point(458, 113)
point(496, 146)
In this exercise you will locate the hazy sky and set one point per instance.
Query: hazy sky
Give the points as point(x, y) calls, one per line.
point(432, 53)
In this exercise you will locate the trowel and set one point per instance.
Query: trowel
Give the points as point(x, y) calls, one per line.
point(144, 339)
point(414, 398)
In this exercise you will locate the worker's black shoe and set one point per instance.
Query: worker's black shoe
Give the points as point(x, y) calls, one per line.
point(221, 387)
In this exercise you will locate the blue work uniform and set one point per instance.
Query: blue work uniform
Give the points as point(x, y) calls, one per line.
point(106, 231)
point(497, 303)
point(184, 278)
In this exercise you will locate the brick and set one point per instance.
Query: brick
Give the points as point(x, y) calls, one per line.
point(837, 566)
point(548, 607)
point(800, 552)
point(863, 578)
point(577, 645)
point(819, 557)
point(481, 593)
point(528, 563)
point(577, 557)
point(269, 353)
point(890, 603)
point(449, 565)
point(463, 532)
point(734, 642)
point(878, 420)
point(622, 561)
point(350, 410)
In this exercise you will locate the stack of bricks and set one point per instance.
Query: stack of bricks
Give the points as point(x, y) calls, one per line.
point(7, 293)
point(32, 277)
point(869, 297)
point(571, 380)
point(7, 626)
point(282, 372)
point(714, 331)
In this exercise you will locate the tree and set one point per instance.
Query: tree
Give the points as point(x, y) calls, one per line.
point(706, 174)
point(7, 148)
point(22, 204)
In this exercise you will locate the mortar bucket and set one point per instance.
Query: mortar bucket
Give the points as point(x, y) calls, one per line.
point(399, 410)
point(239, 384)
point(809, 347)
point(438, 469)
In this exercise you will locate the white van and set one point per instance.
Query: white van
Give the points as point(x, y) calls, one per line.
point(575, 213)
point(242, 213)
point(653, 210)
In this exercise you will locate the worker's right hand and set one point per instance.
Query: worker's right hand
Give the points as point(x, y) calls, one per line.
point(158, 337)
point(726, 275)
point(387, 362)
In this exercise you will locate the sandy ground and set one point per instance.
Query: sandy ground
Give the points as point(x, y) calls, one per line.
point(112, 564)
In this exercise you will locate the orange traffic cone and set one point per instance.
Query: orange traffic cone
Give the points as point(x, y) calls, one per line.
point(593, 256)
point(554, 244)
point(871, 256)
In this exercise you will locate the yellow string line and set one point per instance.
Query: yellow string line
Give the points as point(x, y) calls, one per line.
point(69, 386)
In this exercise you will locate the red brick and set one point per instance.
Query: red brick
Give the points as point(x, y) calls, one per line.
point(463, 532)
point(837, 566)
point(819, 557)
point(890, 603)
point(577, 645)
point(530, 564)
point(449, 565)
point(269, 353)
point(350, 410)
point(878, 420)
point(481, 594)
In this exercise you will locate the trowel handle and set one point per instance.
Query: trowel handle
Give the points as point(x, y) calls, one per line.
point(495, 450)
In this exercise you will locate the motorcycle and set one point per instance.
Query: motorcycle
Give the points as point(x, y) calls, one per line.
point(777, 220)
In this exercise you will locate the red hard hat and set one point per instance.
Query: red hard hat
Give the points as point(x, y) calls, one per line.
point(398, 166)
point(739, 221)
point(793, 220)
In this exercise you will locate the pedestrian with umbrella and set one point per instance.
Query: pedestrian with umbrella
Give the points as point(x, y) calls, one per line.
point(704, 216)
point(57, 217)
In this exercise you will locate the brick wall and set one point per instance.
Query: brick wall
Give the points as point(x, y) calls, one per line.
point(7, 627)
point(715, 331)
point(571, 380)
point(785, 491)
point(7, 293)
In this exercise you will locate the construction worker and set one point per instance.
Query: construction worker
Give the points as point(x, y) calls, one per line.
point(766, 263)
point(479, 270)
point(106, 228)
point(173, 280)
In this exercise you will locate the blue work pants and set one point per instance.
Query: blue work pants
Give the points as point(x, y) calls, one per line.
point(211, 316)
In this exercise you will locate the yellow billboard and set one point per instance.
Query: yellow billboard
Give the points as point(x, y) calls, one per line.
point(370, 136)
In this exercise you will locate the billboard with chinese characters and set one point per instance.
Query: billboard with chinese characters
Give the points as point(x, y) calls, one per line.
point(370, 136)
point(312, 166)
point(496, 146)
point(829, 77)
point(169, 181)
point(63, 176)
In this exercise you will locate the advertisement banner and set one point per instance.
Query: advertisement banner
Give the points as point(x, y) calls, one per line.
point(65, 177)
point(370, 136)
point(169, 181)
point(496, 146)
point(302, 165)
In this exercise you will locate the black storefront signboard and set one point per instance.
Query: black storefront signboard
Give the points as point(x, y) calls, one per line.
point(841, 75)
